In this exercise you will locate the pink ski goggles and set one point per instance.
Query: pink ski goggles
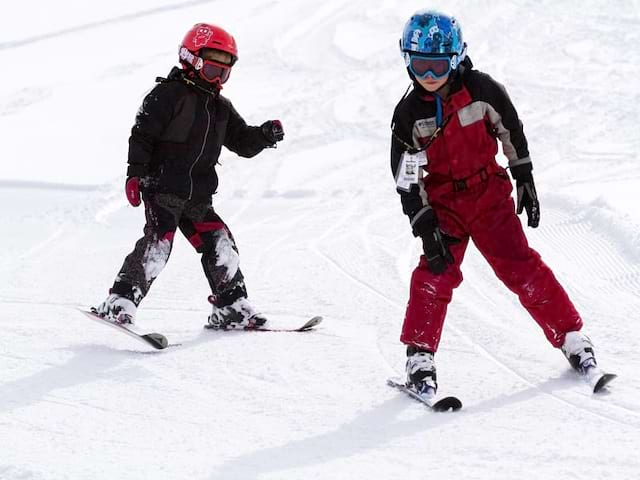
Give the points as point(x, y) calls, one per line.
point(210, 70)
point(215, 72)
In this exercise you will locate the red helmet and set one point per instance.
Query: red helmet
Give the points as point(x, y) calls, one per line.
point(201, 42)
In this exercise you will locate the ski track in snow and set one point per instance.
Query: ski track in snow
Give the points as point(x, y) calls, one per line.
point(320, 231)
point(632, 416)
point(102, 23)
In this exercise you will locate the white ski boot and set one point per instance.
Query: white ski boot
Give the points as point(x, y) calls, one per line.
point(578, 349)
point(239, 315)
point(421, 371)
point(117, 309)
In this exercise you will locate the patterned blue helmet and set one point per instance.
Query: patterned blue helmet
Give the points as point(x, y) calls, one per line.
point(430, 32)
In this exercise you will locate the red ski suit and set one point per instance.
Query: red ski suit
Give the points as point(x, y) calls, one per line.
point(471, 197)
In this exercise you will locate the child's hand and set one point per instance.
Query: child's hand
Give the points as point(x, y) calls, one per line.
point(435, 243)
point(526, 194)
point(272, 131)
point(435, 247)
point(132, 189)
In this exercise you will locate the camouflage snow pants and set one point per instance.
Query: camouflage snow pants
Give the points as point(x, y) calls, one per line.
point(204, 229)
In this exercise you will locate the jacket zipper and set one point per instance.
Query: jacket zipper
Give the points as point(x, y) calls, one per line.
point(204, 143)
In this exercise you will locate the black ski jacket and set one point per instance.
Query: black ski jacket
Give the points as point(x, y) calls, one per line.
point(178, 135)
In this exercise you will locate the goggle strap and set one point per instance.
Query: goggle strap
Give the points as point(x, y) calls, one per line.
point(193, 60)
point(455, 59)
point(459, 58)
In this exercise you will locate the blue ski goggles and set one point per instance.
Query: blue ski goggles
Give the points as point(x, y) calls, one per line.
point(422, 66)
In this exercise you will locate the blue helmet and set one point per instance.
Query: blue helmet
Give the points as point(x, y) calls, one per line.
point(433, 33)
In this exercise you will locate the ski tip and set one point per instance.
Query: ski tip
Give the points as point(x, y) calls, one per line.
point(446, 404)
point(603, 382)
point(156, 340)
point(313, 322)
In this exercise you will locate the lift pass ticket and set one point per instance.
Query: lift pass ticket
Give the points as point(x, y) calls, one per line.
point(409, 173)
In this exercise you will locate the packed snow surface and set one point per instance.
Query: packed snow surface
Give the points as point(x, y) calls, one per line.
point(320, 231)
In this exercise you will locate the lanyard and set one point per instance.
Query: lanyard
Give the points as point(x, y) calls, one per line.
point(413, 150)
point(440, 123)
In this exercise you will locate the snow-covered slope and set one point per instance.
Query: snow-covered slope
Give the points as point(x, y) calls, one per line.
point(320, 231)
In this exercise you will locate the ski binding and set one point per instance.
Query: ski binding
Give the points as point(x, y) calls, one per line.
point(437, 405)
point(308, 325)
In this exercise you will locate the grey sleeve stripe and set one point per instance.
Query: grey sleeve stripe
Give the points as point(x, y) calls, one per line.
point(475, 112)
point(503, 134)
point(421, 212)
point(519, 161)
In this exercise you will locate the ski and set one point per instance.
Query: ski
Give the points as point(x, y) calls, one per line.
point(308, 325)
point(437, 405)
point(597, 379)
point(156, 340)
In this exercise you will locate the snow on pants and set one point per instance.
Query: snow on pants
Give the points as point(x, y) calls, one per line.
point(486, 214)
point(204, 229)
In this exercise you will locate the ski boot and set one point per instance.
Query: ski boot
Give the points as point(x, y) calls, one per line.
point(117, 309)
point(238, 315)
point(421, 371)
point(578, 349)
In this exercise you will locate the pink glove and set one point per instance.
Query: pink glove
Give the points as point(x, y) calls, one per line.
point(132, 189)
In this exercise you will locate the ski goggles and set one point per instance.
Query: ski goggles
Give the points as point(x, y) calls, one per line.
point(214, 71)
point(210, 70)
point(423, 66)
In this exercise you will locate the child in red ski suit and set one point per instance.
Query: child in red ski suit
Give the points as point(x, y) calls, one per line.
point(447, 127)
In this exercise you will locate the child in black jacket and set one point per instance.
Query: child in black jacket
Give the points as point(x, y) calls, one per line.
point(173, 149)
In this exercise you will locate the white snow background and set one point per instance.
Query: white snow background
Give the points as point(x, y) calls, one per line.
point(320, 231)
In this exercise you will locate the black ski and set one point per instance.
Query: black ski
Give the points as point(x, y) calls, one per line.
point(156, 340)
point(308, 325)
point(437, 405)
point(597, 378)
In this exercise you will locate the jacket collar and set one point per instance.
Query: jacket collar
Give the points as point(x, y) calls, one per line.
point(458, 96)
point(180, 75)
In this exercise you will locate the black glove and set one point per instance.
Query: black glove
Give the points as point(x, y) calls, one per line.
point(526, 191)
point(272, 131)
point(435, 244)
